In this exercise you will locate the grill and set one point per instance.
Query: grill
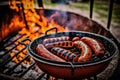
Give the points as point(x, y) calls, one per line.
point(27, 68)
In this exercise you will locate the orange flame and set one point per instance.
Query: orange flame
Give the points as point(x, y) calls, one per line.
point(34, 30)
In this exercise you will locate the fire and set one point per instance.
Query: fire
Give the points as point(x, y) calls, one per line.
point(37, 25)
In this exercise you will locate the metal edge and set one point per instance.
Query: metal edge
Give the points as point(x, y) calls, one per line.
point(76, 65)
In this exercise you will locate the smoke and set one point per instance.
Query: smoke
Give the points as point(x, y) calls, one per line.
point(59, 17)
point(67, 19)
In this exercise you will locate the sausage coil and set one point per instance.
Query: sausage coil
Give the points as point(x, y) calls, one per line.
point(85, 51)
point(75, 39)
point(96, 45)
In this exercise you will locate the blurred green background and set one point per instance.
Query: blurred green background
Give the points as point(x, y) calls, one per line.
point(101, 8)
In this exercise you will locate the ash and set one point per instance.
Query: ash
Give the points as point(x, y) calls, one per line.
point(33, 73)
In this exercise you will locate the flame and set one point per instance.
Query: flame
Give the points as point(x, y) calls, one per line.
point(37, 26)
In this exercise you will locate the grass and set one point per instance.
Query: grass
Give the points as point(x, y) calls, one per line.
point(48, 3)
point(116, 12)
point(82, 6)
point(100, 7)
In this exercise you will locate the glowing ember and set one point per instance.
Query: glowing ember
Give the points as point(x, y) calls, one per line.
point(37, 25)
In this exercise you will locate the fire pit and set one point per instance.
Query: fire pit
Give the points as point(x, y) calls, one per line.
point(14, 60)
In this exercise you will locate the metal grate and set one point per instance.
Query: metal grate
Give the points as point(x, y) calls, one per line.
point(8, 66)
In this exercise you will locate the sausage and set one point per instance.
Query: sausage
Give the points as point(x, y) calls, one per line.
point(64, 44)
point(85, 51)
point(75, 39)
point(65, 54)
point(42, 51)
point(96, 45)
point(56, 39)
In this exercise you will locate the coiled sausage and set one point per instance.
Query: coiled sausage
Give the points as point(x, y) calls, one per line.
point(85, 51)
point(75, 39)
point(96, 45)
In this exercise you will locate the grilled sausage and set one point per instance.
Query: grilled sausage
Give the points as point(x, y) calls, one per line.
point(65, 54)
point(64, 44)
point(75, 39)
point(86, 52)
point(42, 51)
point(96, 45)
point(57, 39)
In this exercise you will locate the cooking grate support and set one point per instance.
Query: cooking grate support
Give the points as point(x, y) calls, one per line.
point(11, 70)
point(6, 52)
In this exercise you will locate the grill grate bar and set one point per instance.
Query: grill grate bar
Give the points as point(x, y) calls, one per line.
point(8, 51)
point(10, 45)
point(8, 38)
point(41, 76)
point(22, 74)
point(48, 77)
point(10, 71)
point(10, 59)
point(20, 36)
